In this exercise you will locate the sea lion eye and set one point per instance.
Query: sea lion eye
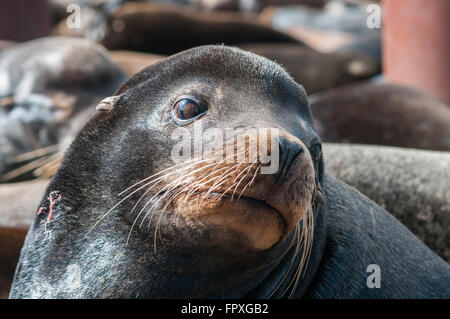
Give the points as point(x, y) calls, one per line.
point(316, 152)
point(187, 109)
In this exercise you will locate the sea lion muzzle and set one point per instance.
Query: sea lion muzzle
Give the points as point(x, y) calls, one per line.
point(264, 208)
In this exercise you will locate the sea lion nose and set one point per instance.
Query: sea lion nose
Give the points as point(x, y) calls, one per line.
point(289, 150)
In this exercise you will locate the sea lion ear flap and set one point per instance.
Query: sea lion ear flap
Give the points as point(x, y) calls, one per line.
point(107, 104)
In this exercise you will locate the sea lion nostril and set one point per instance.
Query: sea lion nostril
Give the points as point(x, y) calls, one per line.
point(288, 152)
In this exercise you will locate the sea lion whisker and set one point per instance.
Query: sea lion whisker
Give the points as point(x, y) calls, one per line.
point(181, 170)
point(298, 248)
point(226, 191)
point(232, 185)
point(305, 241)
point(187, 164)
point(307, 245)
point(208, 172)
point(294, 239)
point(213, 187)
point(299, 237)
point(251, 181)
point(159, 218)
point(246, 171)
point(140, 212)
point(282, 254)
point(154, 175)
point(156, 231)
point(223, 176)
point(147, 191)
point(219, 181)
point(193, 163)
point(163, 190)
point(116, 205)
point(310, 237)
point(181, 190)
point(202, 167)
point(197, 185)
point(204, 196)
point(132, 210)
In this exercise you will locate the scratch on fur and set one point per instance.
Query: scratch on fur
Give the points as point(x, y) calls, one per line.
point(53, 198)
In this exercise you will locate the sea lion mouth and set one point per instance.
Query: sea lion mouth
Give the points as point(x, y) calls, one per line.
point(225, 196)
point(265, 223)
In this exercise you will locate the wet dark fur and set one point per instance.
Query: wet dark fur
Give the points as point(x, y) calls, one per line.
point(193, 260)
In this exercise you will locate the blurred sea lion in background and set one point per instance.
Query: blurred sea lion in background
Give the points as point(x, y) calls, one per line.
point(303, 22)
point(250, 5)
point(336, 16)
point(341, 26)
point(168, 29)
point(369, 44)
point(314, 70)
point(382, 114)
point(411, 184)
point(94, 14)
point(45, 87)
point(164, 29)
point(132, 62)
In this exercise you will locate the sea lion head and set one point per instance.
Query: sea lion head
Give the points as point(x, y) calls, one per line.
point(198, 178)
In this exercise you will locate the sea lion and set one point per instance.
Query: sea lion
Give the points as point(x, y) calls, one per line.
point(46, 88)
point(411, 184)
point(369, 44)
point(163, 29)
point(336, 16)
point(132, 62)
point(382, 114)
point(340, 26)
point(318, 71)
point(194, 230)
point(250, 6)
